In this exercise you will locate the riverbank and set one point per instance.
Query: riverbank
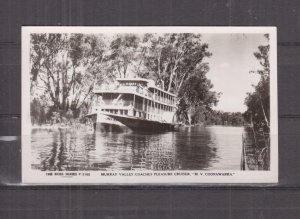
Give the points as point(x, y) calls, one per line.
point(255, 154)
point(75, 126)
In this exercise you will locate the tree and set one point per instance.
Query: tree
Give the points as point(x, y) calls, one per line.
point(123, 53)
point(170, 58)
point(224, 118)
point(196, 95)
point(37, 112)
point(55, 61)
point(258, 102)
point(65, 67)
point(187, 53)
point(155, 58)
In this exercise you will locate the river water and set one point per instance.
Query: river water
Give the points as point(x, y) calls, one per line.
point(189, 148)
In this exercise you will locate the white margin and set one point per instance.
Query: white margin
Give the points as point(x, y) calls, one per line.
point(30, 176)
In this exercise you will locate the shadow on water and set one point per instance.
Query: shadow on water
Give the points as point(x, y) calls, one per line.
point(192, 148)
point(58, 154)
point(195, 148)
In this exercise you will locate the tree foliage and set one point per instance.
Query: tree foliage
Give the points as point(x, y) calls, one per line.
point(169, 59)
point(258, 102)
point(65, 68)
point(195, 95)
point(123, 53)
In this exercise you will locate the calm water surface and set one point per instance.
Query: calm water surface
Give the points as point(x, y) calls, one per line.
point(193, 148)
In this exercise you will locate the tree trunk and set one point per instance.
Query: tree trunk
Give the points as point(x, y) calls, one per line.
point(181, 82)
point(263, 110)
point(189, 115)
point(171, 78)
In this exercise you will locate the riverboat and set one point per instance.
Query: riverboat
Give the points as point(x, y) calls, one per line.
point(135, 103)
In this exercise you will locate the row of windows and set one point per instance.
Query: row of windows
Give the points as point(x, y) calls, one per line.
point(133, 113)
point(121, 112)
point(158, 95)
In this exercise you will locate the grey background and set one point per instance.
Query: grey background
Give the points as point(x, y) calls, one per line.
point(271, 201)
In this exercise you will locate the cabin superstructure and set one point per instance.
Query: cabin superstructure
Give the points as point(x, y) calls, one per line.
point(136, 100)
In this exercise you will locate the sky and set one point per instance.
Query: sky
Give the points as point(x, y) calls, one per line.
point(231, 61)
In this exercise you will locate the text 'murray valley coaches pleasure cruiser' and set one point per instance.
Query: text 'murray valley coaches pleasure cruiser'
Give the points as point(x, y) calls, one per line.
point(135, 103)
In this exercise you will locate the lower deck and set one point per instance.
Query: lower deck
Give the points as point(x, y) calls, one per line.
point(142, 125)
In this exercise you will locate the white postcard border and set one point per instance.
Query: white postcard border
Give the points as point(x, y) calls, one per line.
point(30, 176)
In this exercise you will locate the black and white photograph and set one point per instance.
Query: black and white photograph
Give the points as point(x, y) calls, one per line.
point(128, 105)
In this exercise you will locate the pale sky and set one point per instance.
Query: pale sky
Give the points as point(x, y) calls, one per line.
point(230, 64)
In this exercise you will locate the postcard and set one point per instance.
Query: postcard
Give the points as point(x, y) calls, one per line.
point(149, 105)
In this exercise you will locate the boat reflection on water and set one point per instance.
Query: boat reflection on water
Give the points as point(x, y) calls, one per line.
point(192, 148)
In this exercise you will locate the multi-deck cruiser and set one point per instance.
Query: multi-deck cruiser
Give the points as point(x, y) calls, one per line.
point(135, 103)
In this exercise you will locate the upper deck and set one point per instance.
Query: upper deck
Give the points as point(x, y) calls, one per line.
point(141, 87)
